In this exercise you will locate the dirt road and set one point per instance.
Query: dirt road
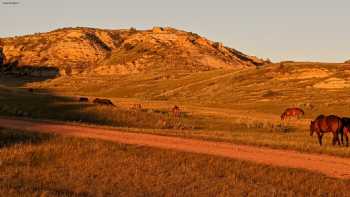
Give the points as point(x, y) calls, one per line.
point(328, 165)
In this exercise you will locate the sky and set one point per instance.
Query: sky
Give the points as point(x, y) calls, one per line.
point(304, 30)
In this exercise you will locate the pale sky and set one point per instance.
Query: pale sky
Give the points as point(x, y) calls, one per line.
point(311, 30)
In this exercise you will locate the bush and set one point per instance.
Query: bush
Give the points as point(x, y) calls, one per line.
point(132, 30)
point(1, 57)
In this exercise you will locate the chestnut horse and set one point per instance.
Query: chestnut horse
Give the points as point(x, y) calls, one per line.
point(346, 130)
point(325, 124)
point(292, 112)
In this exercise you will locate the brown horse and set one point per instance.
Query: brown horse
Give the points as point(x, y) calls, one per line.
point(325, 124)
point(292, 112)
point(136, 107)
point(346, 130)
point(105, 102)
point(83, 99)
point(176, 111)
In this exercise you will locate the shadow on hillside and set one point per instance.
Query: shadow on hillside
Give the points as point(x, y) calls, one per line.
point(12, 137)
point(20, 75)
point(44, 104)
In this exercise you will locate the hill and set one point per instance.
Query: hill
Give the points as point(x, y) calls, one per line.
point(100, 51)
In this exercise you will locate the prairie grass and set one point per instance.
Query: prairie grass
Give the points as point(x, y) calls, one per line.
point(60, 166)
point(256, 98)
point(246, 130)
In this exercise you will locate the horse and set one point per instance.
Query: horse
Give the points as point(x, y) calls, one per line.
point(83, 99)
point(136, 107)
point(325, 124)
point(176, 111)
point(346, 129)
point(292, 112)
point(105, 102)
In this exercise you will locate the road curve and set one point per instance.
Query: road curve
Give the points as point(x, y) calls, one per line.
point(329, 165)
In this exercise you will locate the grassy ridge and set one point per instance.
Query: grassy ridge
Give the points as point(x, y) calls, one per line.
point(58, 166)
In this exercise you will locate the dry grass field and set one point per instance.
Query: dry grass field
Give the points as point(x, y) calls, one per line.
point(46, 165)
point(241, 106)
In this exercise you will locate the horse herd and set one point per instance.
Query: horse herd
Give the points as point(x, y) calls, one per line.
point(338, 126)
point(175, 111)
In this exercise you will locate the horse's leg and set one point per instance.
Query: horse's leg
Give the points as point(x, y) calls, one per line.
point(334, 140)
point(337, 138)
point(319, 138)
point(342, 137)
point(346, 133)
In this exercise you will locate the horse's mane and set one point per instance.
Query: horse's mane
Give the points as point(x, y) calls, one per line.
point(320, 116)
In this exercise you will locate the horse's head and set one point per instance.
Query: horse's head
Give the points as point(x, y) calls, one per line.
point(312, 128)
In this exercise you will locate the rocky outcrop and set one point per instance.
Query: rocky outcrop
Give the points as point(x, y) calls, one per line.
point(347, 62)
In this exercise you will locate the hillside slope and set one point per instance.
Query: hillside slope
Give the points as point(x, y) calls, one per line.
point(322, 88)
point(99, 51)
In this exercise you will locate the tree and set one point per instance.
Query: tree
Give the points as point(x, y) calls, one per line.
point(2, 57)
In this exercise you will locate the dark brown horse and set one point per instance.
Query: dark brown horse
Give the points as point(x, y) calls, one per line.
point(292, 112)
point(83, 99)
point(105, 102)
point(346, 130)
point(176, 111)
point(326, 124)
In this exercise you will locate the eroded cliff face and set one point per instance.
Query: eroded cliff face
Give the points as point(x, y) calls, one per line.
point(99, 51)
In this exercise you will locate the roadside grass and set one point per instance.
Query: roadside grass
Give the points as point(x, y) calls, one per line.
point(64, 166)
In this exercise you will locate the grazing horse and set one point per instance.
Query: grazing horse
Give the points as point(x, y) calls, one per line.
point(136, 107)
point(105, 102)
point(83, 99)
point(292, 112)
point(176, 111)
point(346, 130)
point(325, 124)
